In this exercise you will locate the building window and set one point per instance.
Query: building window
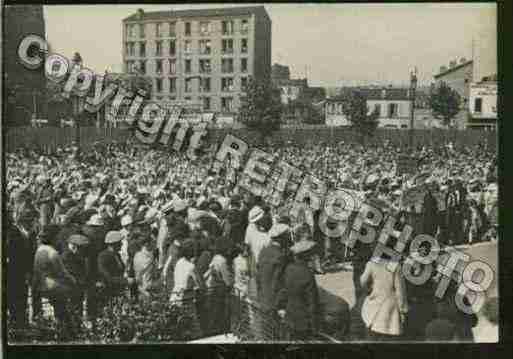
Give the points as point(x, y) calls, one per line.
point(226, 104)
point(132, 49)
point(188, 46)
point(227, 84)
point(494, 109)
point(187, 29)
point(243, 83)
point(172, 66)
point(159, 98)
point(227, 65)
point(172, 84)
point(158, 66)
point(142, 68)
point(188, 84)
point(244, 46)
point(244, 65)
point(158, 48)
point(128, 48)
point(205, 47)
point(227, 46)
point(172, 98)
point(188, 66)
point(172, 29)
point(158, 29)
point(158, 85)
point(128, 66)
point(204, 66)
point(205, 28)
point(141, 30)
point(227, 27)
point(172, 47)
point(205, 84)
point(187, 98)
point(206, 103)
point(244, 26)
point(392, 110)
point(377, 108)
point(478, 105)
point(404, 126)
point(142, 49)
point(129, 30)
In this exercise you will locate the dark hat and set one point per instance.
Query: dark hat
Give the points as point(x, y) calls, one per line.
point(215, 206)
point(78, 239)
point(235, 200)
point(49, 232)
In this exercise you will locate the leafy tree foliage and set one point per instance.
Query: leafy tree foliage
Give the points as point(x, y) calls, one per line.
point(261, 108)
point(444, 103)
point(310, 113)
point(356, 110)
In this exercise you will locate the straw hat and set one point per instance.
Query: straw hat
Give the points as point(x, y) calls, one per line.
point(113, 237)
point(255, 214)
point(302, 247)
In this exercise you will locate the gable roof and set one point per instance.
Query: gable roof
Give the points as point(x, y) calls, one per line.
point(451, 69)
point(227, 11)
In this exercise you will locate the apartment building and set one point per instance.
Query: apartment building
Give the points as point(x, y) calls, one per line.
point(204, 56)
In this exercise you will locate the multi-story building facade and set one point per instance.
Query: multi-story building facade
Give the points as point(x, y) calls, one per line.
point(483, 104)
point(458, 76)
point(203, 55)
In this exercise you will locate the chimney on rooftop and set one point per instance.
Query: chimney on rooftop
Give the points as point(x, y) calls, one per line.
point(463, 60)
point(452, 64)
point(140, 13)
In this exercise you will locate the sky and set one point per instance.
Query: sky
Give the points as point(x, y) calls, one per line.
point(332, 44)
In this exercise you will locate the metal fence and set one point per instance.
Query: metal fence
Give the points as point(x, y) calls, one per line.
point(199, 314)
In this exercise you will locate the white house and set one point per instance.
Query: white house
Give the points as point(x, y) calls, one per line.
point(393, 105)
point(483, 104)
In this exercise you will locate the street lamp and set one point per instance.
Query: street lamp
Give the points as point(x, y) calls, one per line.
point(413, 87)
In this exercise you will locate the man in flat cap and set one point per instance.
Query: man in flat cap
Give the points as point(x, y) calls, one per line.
point(270, 266)
point(74, 259)
point(111, 269)
point(298, 298)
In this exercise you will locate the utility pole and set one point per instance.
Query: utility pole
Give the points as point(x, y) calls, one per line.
point(413, 87)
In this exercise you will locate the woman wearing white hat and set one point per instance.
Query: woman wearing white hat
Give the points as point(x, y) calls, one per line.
point(256, 239)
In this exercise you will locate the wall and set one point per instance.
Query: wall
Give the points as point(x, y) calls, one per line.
point(19, 22)
point(459, 80)
point(51, 136)
point(488, 94)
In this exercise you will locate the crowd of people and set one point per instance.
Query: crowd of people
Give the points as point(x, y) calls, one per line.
point(86, 226)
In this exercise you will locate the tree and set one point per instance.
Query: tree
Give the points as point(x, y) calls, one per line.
point(261, 108)
point(356, 110)
point(311, 114)
point(444, 103)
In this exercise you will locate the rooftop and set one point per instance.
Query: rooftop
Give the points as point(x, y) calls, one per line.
point(452, 69)
point(227, 11)
point(381, 93)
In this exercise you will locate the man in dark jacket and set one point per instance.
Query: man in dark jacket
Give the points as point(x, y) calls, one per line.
point(111, 269)
point(270, 267)
point(19, 265)
point(298, 298)
point(75, 261)
point(95, 231)
point(429, 214)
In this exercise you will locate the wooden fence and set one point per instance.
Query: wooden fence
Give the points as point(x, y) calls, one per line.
point(51, 137)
